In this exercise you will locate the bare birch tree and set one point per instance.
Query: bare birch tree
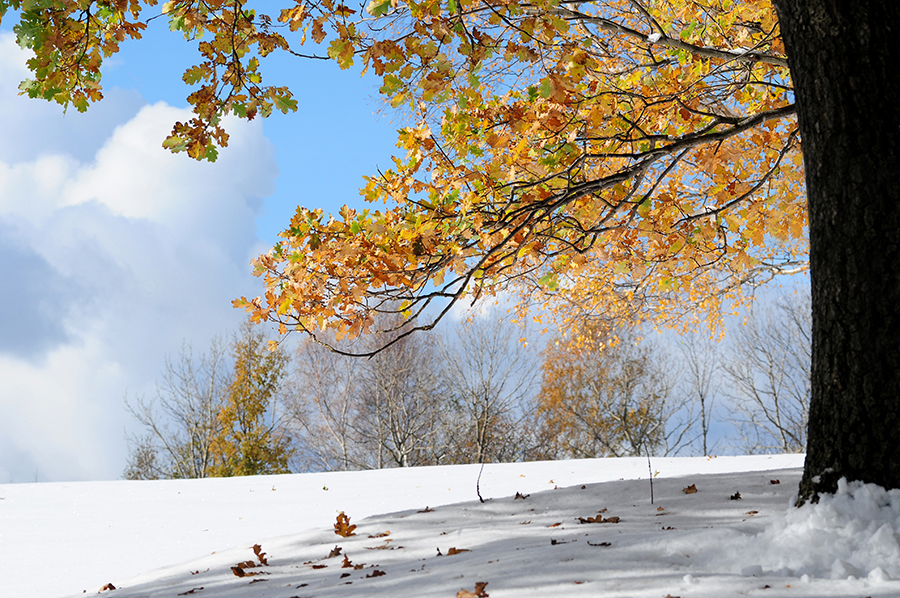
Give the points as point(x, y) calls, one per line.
point(768, 370)
point(400, 403)
point(490, 376)
point(323, 408)
point(180, 421)
point(701, 381)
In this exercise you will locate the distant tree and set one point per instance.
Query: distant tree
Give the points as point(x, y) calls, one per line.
point(251, 439)
point(701, 382)
point(400, 399)
point(322, 408)
point(490, 378)
point(181, 421)
point(143, 461)
point(768, 370)
point(606, 394)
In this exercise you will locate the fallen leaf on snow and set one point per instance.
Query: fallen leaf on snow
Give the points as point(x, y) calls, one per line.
point(736, 496)
point(774, 481)
point(692, 489)
point(190, 591)
point(520, 495)
point(257, 550)
point(478, 593)
point(336, 551)
point(604, 544)
point(598, 519)
point(108, 586)
point(342, 526)
point(555, 524)
point(376, 573)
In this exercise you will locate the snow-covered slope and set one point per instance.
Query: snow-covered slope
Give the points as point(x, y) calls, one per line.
point(155, 539)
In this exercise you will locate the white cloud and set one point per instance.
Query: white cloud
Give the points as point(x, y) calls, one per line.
point(33, 128)
point(109, 259)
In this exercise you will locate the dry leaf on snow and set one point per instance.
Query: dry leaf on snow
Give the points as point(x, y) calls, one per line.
point(348, 565)
point(257, 550)
point(478, 593)
point(692, 489)
point(342, 526)
point(598, 519)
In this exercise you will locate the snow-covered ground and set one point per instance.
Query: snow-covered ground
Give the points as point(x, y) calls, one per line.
point(577, 528)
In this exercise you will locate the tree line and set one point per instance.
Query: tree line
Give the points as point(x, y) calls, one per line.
point(485, 390)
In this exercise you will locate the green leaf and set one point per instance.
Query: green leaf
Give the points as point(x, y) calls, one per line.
point(550, 280)
point(175, 144)
point(392, 84)
point(377, 8)
point(644, 208)
point(546, 89)
point(212, 153)
point(193, 75)
point(285, 104)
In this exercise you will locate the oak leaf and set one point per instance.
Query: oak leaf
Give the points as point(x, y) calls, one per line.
point(478, 593)
point(343, 527)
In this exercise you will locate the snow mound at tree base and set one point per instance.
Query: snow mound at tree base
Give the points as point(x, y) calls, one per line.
point(852, 534)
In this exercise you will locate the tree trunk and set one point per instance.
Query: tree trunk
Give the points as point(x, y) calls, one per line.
point(845, 67)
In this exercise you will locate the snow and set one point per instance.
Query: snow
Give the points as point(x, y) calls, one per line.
point(654, 37)
point(171, 538)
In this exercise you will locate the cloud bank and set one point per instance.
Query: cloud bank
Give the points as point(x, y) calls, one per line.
point(112, 252)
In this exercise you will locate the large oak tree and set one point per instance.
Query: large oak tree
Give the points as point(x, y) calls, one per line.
point(628, 159)
point(844, 59)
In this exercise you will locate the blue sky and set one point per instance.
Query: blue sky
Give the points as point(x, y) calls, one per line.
point(114, 252)
point(337, 135)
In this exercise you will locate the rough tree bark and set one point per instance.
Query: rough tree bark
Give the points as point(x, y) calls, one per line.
point(845, 66)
